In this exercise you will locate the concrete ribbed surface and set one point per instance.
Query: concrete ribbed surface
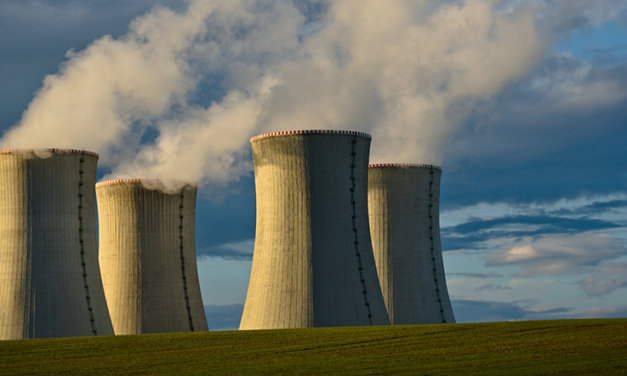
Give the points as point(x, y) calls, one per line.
point(411, 274)
point(140, 258)
point(305, 270)
point(47, 287)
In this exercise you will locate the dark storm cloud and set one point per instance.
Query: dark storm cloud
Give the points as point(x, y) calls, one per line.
point(224, 317)
point(538, 225)
point(598, 207)
point(557, 134)
point(452, 243)
point(572, 171)
point(470, 234)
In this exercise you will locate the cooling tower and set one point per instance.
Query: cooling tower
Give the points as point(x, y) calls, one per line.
point(313, 264)
point(148, 256)
point(50, 282)
point(403, 204)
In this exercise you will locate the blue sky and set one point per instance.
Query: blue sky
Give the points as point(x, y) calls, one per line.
point(523, 103)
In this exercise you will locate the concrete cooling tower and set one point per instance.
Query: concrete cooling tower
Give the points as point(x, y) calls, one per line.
point(404, 207)
point(50, 282)
point(313, 264)
point(148, 256)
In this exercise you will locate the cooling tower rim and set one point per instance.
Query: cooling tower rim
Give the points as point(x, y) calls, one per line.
point(315, 131)
point(139, 180)
point(376, 165)
point(73, 151)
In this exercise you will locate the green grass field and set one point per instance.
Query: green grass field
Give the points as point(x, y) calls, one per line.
point(571, 347)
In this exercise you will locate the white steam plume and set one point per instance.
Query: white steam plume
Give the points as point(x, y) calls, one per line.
point(405, 71)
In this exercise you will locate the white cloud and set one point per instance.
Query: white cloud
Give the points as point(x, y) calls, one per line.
point(245, 246)
point(557, 254)
point(405, 72)
point(232, 251)
point(102, 91)
point(605, 279)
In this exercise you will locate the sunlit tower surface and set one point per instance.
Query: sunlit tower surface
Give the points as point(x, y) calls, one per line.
point(148, 256)
point(313, 264)
point(50, 283)
point(404, 204)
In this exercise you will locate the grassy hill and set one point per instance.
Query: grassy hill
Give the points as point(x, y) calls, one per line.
point(574, 347)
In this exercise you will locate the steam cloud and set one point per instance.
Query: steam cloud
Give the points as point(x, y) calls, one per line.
point(404, 71)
